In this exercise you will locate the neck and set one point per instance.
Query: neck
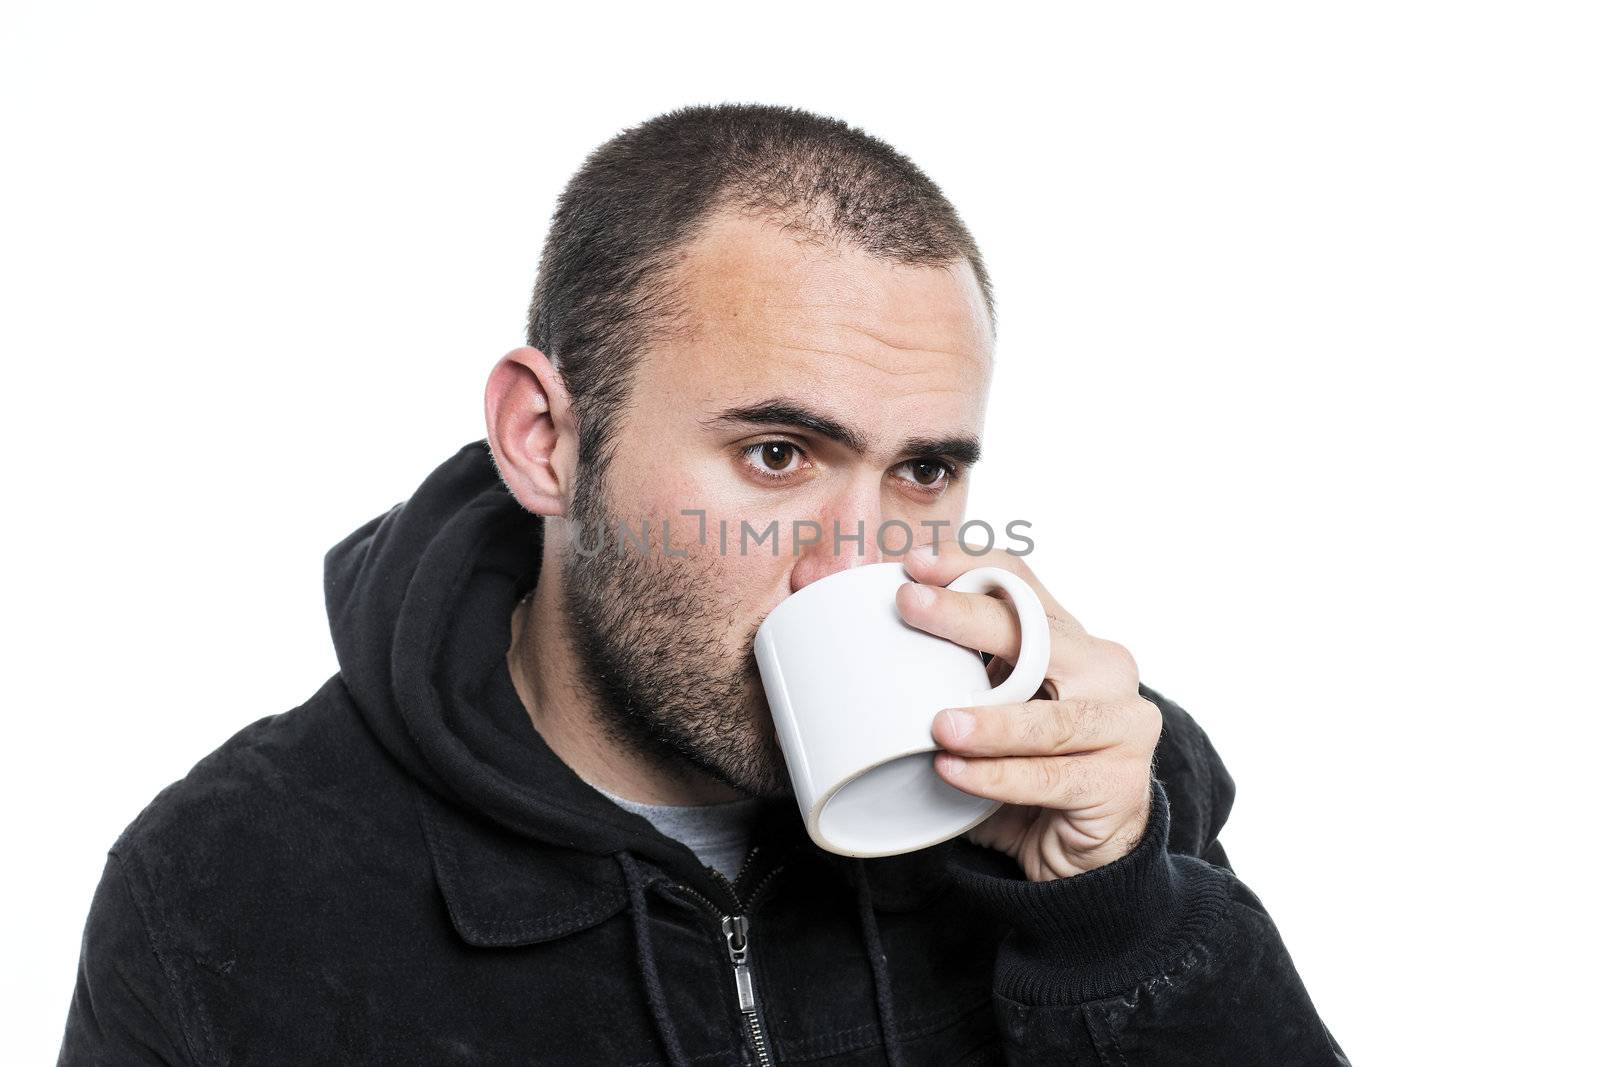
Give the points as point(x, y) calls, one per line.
point(544, 662)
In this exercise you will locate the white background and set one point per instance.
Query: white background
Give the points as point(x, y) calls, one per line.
point(1297, 342)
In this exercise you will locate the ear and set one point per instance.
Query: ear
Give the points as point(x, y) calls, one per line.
point(531, 430)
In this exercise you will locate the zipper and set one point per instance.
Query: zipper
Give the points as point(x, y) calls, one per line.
point(736, 931)
point(744, 869)
point(736, 928)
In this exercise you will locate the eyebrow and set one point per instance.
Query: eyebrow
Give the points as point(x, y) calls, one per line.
point(961, 447)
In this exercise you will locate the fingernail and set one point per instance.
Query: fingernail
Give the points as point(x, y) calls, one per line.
point(958, 723)
point(921, 595)
point(954, 765)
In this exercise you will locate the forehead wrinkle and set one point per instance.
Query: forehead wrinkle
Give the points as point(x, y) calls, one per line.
point(978, 359)
point(862, 358)
point(887, 358)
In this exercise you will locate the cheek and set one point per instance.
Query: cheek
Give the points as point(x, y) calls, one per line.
point(708, 513)
point(745, 584)
point(697, 510)
point(739, 576)
point(664, 499)
point(742, 585)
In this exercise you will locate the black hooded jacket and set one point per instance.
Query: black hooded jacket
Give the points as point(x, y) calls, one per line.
point(400, 871)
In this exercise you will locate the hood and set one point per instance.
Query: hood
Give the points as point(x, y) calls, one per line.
point(419, 603)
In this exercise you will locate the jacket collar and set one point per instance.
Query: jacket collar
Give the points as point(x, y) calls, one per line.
point(502, 889)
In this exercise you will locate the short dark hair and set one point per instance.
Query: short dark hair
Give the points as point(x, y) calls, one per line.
point(600, 295)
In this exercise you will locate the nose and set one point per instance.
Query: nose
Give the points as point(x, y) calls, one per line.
point(849, 536)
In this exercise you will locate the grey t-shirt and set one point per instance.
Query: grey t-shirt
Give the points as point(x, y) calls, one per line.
point(718, 834)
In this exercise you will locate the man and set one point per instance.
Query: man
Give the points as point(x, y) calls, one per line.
point(540, 814)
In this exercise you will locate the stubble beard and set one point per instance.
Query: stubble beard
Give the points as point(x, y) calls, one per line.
point(651, 641)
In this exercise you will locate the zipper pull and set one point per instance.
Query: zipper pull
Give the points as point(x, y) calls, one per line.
point(735, 929)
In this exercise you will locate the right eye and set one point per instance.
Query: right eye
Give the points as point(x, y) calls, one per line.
point(776, 460)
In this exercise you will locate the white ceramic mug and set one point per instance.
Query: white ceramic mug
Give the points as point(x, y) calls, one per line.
point(854, 690)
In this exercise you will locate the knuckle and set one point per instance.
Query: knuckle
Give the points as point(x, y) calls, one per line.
point(1063, 726)
point(981, 607)
point(1119, 657)
point(1085, 714)
point(1049, 777)
point(1038, 729)
point(1034, 730)
point(1080, 781)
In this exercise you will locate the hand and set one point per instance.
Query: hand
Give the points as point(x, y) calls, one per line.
point(1073, 764)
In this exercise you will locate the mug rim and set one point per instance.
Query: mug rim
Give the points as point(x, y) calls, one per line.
point(813, 818)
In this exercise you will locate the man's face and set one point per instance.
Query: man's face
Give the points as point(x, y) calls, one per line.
point(808, 386)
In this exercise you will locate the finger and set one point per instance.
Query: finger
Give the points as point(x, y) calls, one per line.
point(941, 564)
point(1041, 727)
point(986, 623)
point(973, 620)
point(1061, 783)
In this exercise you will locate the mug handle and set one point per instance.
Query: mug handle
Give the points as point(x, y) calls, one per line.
point(1034, 658)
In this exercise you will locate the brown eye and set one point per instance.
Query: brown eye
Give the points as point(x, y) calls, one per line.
point(776, 455)
point(774, 460)
point(927, 471)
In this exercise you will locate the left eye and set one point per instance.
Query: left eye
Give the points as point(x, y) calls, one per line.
point(927, 473)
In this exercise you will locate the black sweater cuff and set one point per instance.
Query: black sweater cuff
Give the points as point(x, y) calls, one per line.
point(1098, 933)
